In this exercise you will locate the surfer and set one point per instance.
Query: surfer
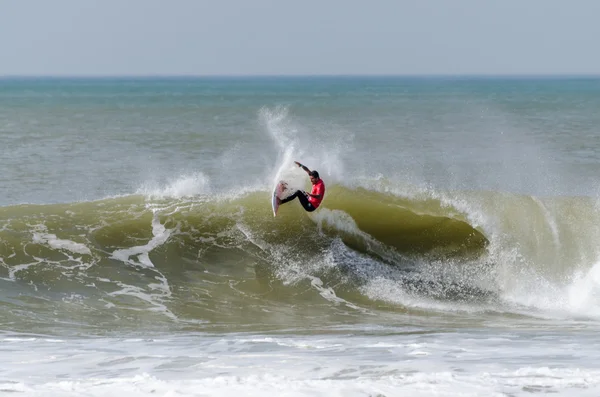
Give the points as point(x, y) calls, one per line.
point(310, 201)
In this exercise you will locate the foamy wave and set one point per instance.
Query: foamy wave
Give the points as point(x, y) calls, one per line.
point(305, 380)
point(61, 244)
point(160, 236)
point(183, 186)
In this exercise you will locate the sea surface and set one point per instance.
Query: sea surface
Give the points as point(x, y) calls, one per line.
point(456, 252)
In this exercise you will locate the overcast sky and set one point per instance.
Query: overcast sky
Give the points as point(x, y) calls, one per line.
point(280, 37)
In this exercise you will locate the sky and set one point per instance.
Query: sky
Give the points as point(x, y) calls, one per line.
point(309, 37)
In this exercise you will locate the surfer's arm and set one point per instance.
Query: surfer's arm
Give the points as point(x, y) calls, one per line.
point(317, 192)
point(305, 168)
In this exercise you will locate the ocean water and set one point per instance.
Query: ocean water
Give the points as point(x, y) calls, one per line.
point(456, 252)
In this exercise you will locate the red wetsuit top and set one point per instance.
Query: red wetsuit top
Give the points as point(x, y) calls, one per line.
point(318, 188)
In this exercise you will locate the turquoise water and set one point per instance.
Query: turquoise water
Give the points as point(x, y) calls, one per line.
point(455, 251)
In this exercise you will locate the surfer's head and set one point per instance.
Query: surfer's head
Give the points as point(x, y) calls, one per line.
point(314, 176)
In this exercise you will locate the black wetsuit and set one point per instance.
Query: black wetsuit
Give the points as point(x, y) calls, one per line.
point(303, 200)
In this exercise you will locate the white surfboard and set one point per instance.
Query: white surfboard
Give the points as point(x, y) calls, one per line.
point(278, 190)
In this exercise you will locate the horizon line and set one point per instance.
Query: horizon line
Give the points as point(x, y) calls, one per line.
point(324, 75)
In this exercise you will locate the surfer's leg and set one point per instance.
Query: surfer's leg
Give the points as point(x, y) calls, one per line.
point(303, 200)
point(293, 196)
point(305, 203)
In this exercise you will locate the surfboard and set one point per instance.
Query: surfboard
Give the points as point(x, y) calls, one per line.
point(278, 190)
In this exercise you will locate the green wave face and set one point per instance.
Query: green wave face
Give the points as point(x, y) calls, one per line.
point(226, 261)
point(411, 227)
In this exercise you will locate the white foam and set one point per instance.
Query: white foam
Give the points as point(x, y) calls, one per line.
point(463, 362)
point(439, 383)
point(182, 186)
point(160, 236)
point(61, 244)
point(329, 294)
point(579, 296)
point(339, 220)
point(584, 292)
point(13, 270)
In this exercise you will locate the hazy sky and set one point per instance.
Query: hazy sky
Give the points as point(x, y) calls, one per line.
point(274, 37)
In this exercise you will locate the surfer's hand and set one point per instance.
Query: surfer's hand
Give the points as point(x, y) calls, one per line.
point(298, 164)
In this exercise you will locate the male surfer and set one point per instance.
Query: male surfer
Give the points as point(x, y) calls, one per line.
point(310, 201)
